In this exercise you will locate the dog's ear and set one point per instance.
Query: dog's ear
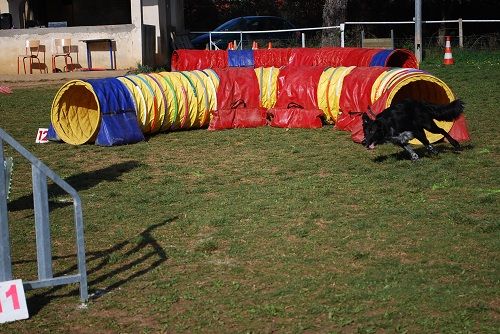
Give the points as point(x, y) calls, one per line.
point(366, 119)
point(370, 113)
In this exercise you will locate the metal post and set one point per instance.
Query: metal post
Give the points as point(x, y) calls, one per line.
point(80, 247)
point(418, 30)
point(303, 39)
point(5, 260)
point(42, 224)
point(460, 33)
point(342, 28)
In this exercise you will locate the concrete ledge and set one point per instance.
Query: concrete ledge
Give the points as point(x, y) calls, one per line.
point(38, 79)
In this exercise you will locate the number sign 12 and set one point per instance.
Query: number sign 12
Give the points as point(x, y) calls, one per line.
point(12, 301)
point(41, 136)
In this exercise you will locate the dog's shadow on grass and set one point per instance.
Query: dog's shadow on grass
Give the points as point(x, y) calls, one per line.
point(111, 268)
point(79, 182)
point(422, 152)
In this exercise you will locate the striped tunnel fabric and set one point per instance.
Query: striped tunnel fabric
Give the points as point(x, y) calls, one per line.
point(121, 110)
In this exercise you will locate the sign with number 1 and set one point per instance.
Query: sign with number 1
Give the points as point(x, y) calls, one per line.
point(12, 301)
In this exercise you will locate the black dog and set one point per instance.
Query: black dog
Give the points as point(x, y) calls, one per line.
point(402, 122)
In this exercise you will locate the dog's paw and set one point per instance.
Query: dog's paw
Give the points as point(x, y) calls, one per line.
point(432, 150)
point(434, 153)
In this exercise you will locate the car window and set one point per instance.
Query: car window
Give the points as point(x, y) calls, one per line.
point(273, 23)
point(265, 23)
point(268, 24)
point(277, 23)
point(288, 25)
point(284, 24)
point(234, 24)
point(255, 24)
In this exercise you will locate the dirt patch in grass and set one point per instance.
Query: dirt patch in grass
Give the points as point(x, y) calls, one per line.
point(124, 319)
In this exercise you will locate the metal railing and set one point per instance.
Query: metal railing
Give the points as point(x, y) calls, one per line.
point(239, 45)
point(40, 173)
point(212, 45)
point(341, 27)
point(459, 21)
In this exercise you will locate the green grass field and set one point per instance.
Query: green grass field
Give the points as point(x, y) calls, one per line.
point(266, 230)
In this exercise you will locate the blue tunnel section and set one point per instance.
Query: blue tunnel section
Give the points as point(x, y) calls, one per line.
point(118, 117)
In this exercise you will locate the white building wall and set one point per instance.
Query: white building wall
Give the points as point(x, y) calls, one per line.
point(4, 6)
point(134, 43)
point(150, 13)
point(156, 16)
point(127, 46)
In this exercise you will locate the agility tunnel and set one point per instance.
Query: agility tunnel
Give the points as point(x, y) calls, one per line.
point(188, 60)
point(122, 110)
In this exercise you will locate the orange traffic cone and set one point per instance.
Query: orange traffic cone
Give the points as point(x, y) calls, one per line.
point(448, 57)
point(230, 46)
point(255, 46)
point(270, 45)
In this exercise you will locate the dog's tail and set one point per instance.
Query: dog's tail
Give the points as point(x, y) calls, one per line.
point(447, 112)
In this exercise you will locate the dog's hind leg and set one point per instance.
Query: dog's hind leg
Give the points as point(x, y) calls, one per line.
point(420, 135)
point(436, 129)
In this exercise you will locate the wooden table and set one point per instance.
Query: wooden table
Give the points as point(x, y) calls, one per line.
point(89, 43)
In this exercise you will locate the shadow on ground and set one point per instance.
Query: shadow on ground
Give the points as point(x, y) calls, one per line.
point(118, 264)
point(422, 153)
point(80, 182)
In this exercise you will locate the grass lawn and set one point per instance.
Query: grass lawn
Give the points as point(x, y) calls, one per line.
point(266, 230)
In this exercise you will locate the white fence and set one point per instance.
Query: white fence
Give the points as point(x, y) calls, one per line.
point(460, 23)
point(342, 29)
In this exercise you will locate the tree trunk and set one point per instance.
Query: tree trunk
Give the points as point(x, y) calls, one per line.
point(334, 13)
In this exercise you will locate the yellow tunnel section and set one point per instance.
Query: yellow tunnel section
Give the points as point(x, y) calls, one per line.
point(75, 113)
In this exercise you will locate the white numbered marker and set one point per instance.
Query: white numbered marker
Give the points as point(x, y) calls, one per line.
point(12, 301)
point(41, 136)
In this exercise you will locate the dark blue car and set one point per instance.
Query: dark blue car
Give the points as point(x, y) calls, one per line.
point(248, 23)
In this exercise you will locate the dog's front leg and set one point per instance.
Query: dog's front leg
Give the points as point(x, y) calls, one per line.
point(402, 140)
point(409, 149)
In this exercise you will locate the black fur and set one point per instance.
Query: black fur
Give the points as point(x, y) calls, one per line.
point(404, 121)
